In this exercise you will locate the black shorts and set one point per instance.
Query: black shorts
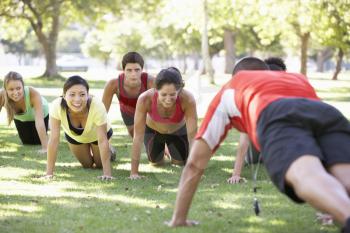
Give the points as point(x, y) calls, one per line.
point(27, 131)
point(177, 143)
point(293, 127)
point(127, 118)
point(72, 141)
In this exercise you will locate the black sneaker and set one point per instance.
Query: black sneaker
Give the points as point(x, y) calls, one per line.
point(113, 153)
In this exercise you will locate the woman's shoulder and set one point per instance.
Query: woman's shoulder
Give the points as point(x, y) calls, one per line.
point(186, 96)
point(56, 102)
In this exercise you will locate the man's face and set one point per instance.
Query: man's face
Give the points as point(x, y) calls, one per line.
point(133, 73)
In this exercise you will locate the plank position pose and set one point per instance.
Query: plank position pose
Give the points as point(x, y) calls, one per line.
point(304, 142)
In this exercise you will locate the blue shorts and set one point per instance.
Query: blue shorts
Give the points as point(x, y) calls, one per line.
point(292, 127)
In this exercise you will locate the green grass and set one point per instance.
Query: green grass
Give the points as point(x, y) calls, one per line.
point(76, 201)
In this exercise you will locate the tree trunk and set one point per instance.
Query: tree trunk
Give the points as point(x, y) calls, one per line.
point(230, 53)
point(205, 44)
point(49, 42)
point(50, 51)
point(339, 63)
point(303, 52)
point(322, 57)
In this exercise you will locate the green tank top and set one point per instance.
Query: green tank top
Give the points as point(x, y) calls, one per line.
point(29, 114)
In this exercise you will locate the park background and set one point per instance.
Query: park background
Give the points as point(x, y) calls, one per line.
point(49, 40)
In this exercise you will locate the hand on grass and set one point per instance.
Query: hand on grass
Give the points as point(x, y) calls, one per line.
point(104, 177)
point(42, 151)
point(235, 179)
point(135, 177)
point(47, 177)
point(187, 223)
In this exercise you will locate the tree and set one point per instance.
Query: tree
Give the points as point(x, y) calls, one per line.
point(332, 23)
point(205, 43)
point(43, 17)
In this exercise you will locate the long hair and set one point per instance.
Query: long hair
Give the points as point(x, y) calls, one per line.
point(9, 103)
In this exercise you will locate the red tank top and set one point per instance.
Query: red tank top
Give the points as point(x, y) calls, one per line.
point(175, 118)
point(127, 103)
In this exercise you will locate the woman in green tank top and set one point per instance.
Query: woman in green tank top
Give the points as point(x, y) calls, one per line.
point(27, 108)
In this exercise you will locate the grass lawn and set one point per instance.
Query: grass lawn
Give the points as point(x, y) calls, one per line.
point(76, 201)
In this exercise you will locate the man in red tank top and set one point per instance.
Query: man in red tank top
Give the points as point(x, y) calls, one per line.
point(128, 87)
point(304, 142)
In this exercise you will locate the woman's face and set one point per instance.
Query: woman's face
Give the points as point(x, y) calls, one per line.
point(14, 90)
point(76, 98)
point(167, 95)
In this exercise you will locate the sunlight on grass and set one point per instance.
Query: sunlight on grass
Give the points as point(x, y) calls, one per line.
point(9, 147)
point(16, 209)
point(222, 157)
point(14, 172)
point(277, 222)
point(226, 205)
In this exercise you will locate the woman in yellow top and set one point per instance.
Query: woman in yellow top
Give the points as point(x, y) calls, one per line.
point(84, 122)
point(27, 109)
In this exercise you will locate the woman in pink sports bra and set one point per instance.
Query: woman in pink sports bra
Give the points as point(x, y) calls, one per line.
point(165, 115)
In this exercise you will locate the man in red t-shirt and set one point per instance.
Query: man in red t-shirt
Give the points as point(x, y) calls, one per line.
point(304, 142)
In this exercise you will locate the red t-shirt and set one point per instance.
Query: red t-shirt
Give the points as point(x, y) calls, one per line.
point(240, 102)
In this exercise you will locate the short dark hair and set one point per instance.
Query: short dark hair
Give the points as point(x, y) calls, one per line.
point(132, 57)
point(276, 63)
point(249, 63)
point(169, 75)
point(71, 81)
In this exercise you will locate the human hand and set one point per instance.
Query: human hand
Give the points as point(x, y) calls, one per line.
point(42, 151)
point(136, 177)
point(235, 179)
point(186, 223)
point(47, 177)
point(104, 177)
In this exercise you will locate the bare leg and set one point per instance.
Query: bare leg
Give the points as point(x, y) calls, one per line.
point(130, 130)
point(96, 155)
point(342, 173)
point(312, 183)
point(83, 154)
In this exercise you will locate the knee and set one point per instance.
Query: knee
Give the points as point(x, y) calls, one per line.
point(87, 165)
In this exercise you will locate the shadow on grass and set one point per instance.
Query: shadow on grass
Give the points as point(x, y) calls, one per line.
point(76, 201)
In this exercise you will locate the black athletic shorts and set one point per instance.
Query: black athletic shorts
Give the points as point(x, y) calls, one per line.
point(177, 143)
point(128, 119)
point(27, 131)
point(292, 127)
point(72, 141)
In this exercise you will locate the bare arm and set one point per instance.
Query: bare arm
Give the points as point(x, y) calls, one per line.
point(191, 118)
point(150, 82)
point(190, 178)
point(139, 132)
point(36, 102)
point(241, 153)
point(52, 145)
point(108, 92)
point(103, 146)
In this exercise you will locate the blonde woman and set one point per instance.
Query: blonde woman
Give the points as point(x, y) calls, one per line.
point(27, 108)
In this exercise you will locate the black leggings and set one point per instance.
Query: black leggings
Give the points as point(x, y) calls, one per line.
point(177, 143)
point(27, 131)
